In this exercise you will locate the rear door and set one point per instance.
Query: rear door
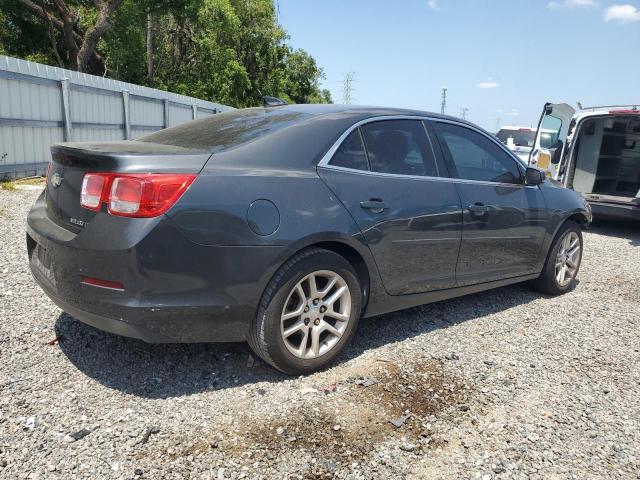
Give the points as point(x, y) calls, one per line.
point(398, 193)
point(551, 137)
point(504, 220)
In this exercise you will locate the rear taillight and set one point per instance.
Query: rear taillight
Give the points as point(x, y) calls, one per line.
point(134, 195)
point(92, 189)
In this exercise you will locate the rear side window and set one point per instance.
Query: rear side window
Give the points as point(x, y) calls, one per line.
point(476, 157)
point(399, 147)
point(351, 153)
point(227, 130)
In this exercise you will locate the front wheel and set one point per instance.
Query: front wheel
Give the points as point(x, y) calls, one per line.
point(308, 313)
point(563, 261)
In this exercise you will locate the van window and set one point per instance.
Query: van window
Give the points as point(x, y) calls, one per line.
point(550, 131)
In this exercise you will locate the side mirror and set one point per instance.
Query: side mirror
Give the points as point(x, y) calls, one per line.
point(533, 176)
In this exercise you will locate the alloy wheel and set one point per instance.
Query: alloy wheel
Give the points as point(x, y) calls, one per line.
point(316, 314)
point(568, 259)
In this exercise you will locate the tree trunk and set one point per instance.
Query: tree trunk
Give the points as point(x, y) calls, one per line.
point(91, 38)
point(150, 33)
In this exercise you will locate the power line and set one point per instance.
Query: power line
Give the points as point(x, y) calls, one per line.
point(443, 105)
point(347, 87)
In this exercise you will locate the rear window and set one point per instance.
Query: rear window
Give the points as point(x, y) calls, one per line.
point(227, 130)
point(521, 138)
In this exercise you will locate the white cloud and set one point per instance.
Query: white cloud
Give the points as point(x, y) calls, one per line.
point(433, 4)
point(513, 113)
point(622, 13)
point(488, 84)
point(557, 5)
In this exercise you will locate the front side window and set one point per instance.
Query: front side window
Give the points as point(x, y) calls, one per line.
point(399, 147)
point(475, 157)
point(351, 153)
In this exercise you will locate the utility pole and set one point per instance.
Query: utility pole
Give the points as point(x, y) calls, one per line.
point(347, 88)
point(463, 112)
point(443, 105)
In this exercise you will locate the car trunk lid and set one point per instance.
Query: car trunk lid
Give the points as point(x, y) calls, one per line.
point(71, 161)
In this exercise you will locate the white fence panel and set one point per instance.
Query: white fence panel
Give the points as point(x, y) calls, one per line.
point(41, 105)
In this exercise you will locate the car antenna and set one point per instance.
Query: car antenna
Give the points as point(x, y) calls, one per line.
point(268, 101)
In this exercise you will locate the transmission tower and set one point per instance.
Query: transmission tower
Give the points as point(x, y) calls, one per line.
point(443, 105)
point(347, 85)
point(463, 112)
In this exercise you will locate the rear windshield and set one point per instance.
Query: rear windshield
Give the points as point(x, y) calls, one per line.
point(521, 138)
point(224, 131)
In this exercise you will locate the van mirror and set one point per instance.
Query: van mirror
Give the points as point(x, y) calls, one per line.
point(533, 176)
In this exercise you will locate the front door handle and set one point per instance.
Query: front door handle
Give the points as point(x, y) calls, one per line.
point(375, 205)
point(478, 209)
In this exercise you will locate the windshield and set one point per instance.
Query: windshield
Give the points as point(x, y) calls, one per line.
point(521, 138)
point(224, 131)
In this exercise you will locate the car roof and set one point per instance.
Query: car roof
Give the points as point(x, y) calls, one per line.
point(359, 110)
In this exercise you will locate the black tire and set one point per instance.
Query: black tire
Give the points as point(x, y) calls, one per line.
point(547, 282)
point(265, 337)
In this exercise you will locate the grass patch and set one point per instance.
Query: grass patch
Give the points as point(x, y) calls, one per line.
point(30, 181)
point(7, 185)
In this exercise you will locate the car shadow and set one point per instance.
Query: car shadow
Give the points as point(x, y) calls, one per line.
point(173, 370)
point(627, 230)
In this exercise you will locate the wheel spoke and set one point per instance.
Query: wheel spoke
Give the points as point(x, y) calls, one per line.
point(330, 284)
point(313, 286)
point(302, 348)
point(315, 342)
point(327, 327)
point(560, 275)
point(343, 317)
point(336, 295)
point(296, 327)
point(296, 313)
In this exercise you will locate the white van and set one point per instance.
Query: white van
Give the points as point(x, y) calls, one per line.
point(595, 151)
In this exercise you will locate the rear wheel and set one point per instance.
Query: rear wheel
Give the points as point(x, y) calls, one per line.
point(308, 312)
point(563, 261)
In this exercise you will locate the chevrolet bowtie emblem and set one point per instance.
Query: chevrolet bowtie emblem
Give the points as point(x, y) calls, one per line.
point(56, 179)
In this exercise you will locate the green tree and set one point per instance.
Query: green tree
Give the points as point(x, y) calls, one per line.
point(230, 51)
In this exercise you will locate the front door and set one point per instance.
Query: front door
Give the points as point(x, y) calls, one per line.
point(504, 220)
point(394, 190)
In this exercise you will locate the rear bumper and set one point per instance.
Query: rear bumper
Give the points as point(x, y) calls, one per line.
point(615, 211)
point(174, 290)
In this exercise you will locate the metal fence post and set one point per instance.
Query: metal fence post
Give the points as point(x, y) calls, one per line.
point(127, 121)
point(194, 110)
point(66, 110)
point(166, 113)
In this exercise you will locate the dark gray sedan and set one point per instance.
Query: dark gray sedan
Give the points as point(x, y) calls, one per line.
point(284, 226)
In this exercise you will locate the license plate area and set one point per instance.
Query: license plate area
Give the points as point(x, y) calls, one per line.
point(41, 260)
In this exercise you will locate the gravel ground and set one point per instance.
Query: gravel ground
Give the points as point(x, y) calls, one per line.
point(503, 384)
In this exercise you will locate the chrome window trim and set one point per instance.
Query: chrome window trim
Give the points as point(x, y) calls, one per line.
point(326, 158)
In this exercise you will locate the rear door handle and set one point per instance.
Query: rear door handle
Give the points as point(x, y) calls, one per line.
point(478, 209)
point(375, 205)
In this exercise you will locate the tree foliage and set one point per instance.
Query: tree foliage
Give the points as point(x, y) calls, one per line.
point(230, 51)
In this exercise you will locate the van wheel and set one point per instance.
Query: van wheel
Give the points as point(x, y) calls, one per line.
point(563, 261)
point(308, 312)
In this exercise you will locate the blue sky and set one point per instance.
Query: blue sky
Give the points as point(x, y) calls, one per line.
point(527, 51)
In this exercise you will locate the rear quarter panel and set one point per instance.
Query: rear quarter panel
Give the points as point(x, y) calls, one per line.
point(214, 212)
